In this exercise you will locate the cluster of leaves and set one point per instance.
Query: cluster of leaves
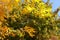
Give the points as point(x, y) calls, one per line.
point(27, 20)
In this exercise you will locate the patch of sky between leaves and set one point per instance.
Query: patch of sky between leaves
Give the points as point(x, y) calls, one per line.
point(55, 5)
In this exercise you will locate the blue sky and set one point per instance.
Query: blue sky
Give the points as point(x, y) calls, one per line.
point(55, 5)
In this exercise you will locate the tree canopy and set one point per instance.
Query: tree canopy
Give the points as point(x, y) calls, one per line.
point(28, 20)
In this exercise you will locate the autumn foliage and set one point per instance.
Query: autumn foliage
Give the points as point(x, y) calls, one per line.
point(28, 20)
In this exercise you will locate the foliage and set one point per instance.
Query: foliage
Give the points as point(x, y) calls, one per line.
point(28, 20)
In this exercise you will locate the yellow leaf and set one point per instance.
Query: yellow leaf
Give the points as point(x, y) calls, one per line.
point(29, 30)
point(17, 1)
